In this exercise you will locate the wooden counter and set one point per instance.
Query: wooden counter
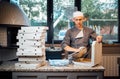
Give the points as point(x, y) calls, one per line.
point(51, 72)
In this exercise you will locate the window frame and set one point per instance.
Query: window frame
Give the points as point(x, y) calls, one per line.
point(50, 21)
point(118, 21)
point(50, 32)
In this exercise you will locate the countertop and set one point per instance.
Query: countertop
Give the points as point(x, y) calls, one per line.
point(10, 66)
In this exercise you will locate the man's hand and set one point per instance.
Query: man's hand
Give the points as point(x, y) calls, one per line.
point(80, 53)
point(99, 39)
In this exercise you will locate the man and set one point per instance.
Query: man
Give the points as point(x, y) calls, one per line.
point(77, 38)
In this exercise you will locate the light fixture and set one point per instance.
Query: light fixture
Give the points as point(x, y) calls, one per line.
point(12, 14)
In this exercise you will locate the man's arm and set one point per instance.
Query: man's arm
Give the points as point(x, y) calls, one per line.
point(70, 49)
point(98, 38)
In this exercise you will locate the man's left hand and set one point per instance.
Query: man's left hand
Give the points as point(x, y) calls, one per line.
point(99, 39)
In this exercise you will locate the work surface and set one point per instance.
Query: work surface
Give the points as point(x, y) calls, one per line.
point(10, 66)
point(52, 72)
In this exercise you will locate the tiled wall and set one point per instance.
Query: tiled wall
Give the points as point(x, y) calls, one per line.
point(3, 36)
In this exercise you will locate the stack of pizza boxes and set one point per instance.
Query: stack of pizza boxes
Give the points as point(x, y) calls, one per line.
point(31, 50)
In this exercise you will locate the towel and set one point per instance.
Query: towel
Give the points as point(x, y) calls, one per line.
point(80, 34)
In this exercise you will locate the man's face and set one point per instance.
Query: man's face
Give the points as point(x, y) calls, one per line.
point(78, 20)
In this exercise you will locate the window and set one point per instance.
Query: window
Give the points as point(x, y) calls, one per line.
point(61, 34)
point(62, 13)
point(56, 14)
point(36, 11)
point(103, 17)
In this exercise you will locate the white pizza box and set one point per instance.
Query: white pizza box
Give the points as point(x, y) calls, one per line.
point(96, 56)
point(36, 42)
point(31, 43)
point(32, 46)
point(31, 36)
point(27, 34)
point(32, 58)
point(21, 39)
point(35, 28)
point(29, 53)
point(36, 52)
point(31, 40)
point(32, 65)
point(96, 53)
point(31, 49)
point(31, 31)
point(22, 52)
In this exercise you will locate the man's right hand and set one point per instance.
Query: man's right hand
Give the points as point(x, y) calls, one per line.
point(80, 53)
